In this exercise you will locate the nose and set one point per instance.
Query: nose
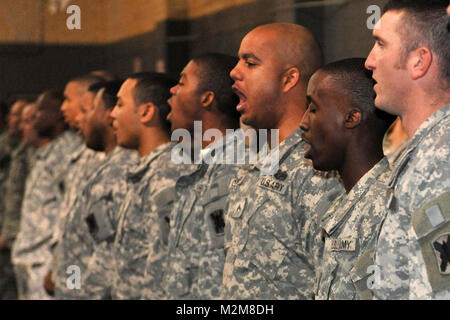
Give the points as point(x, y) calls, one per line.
point(113, 112)
point(304, 124)
point(235, 74)
point(370, 61)
point(174, 90)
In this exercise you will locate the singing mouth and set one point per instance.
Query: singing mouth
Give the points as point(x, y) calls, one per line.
point(242, 99)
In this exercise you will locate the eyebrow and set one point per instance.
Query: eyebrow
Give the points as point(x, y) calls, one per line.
point(246, 56)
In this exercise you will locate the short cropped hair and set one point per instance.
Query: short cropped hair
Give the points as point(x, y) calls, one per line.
point(154, 87)
point(87, 80)
point(109, 96)
point(425, 24)
point(214, 75)
point(355, 81)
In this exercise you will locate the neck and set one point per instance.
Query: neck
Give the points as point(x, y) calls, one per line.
point(42, 142)
point(150, 139)
point(220, 123)
point(358, 162)
point(290, 122)
point(420, 108)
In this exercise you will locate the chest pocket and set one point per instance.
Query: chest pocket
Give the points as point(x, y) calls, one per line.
point(360, 274)
point(164, 202)
point(215, 205)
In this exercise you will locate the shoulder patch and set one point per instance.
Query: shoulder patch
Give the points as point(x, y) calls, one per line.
point(441, 246)
point(431, 224)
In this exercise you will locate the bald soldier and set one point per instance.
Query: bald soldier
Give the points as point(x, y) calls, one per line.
point(270, 227)
point(410, 63)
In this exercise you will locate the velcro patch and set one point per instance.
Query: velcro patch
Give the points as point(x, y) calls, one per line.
point(441, 248)
point(346, 244)
point(218, 221)
point(272, 185)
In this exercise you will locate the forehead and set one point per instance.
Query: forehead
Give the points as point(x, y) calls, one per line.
point(258, 41)
point(325, 90)
point(388, 25)
point(28, 110)
point(72, 86)
point(127, 87)
point(191, 70)
point(319, 84)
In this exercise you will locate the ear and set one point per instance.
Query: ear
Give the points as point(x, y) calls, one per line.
point(207, 98)
point(353, 118)
point(290, 79)
point(146, 112)
point(419, 62)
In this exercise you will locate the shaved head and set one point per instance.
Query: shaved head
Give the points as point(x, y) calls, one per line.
point(294, 45)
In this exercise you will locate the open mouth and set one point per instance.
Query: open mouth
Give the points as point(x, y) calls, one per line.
point(242, 99)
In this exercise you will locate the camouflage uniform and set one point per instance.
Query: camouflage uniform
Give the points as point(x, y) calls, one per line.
point(271, 229)
point(349, 230)
point(91, 223)
point(196, 242)
point(31, 253)
point(82, 164)
point(7, 145)
point(413, 246)
point(21, 161)
point(140, 246)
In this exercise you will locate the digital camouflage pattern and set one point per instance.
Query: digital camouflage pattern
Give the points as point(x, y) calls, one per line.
point(91, 223)
point(22, 161)
point(140, 246)
point(418, 217)
point(196, 242)
point(31, 252)
point(7, 145)
point(349, 231)
point(271, 227)
point(83, 162)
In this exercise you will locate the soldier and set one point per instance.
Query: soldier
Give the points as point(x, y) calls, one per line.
point(196, 241)
point(345, 133)
point(90, 225)
point(9, 140)
point(140, 123)
point(81, 164)
point(31, 250)
point(271, 224)
point(410, 65)
point(21, 161)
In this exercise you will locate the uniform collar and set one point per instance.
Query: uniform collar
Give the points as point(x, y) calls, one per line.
point(138, 172)
point(421, 133)
point(343, 205)
point(280, 152)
